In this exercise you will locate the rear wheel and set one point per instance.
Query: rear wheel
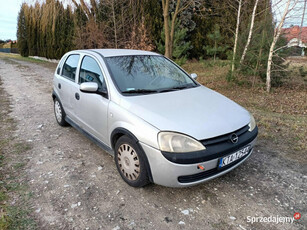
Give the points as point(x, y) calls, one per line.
point(59, 113)
point(130, 162)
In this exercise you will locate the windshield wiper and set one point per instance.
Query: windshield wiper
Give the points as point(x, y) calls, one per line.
point(176, 88)
point(140, 91)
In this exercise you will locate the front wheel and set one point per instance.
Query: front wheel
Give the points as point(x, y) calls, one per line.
point(59, 113)
point(130, 162)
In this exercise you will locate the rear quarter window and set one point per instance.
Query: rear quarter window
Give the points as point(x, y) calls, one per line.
point(60, 65)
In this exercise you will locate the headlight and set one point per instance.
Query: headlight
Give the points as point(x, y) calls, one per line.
point(252, 123)
point(179, 143)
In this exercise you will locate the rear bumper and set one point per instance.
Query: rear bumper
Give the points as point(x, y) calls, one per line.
point(170, 174)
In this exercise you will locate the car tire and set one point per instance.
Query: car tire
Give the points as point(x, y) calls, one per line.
point(59, 113)
point(130, 162)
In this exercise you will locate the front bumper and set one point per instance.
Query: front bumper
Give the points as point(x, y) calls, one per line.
point(170, 174)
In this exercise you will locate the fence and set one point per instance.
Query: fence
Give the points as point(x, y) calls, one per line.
point(9, 48)
point(5, 50)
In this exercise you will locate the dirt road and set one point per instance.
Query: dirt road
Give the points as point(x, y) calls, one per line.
point(75, 184)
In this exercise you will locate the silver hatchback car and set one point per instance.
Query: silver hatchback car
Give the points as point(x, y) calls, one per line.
point(157, 121)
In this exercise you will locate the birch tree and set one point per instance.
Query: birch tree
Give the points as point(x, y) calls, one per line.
point(250, 32)
point(302, 23)
point(276, 35)
point(236, 37)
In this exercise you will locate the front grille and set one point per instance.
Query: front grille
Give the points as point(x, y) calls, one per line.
point(225, 137)
point(208, 173)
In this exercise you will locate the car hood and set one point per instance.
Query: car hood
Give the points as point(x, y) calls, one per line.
point(198, 112)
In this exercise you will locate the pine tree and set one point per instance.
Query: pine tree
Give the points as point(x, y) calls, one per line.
point(217, 40)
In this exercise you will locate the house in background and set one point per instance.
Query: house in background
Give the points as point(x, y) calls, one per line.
point(8, 46)
point(296, 37)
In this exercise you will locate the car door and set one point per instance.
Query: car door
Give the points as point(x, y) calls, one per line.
point(92, 108)
point(66, 82)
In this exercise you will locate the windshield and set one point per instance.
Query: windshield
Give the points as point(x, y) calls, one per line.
point(147, 74)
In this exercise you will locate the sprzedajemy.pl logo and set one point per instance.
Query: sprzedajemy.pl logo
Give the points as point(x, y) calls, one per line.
point(273, 219)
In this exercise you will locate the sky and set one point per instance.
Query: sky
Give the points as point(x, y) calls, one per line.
point(294, 17)
point(8, 18)
point(9, 11)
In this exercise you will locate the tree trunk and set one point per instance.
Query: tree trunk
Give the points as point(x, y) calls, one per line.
point(302, 23)
point(261, 44)
point(174, 17)
point(114, 23)
point(123, 23)
point(250, 32)
point(236, 37)
point(215, 47)
point(275, 38)
point(169, 32)
point(165, 6)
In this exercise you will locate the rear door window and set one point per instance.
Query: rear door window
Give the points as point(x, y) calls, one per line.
point(70, 67)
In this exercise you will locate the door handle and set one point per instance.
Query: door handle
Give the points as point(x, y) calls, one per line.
point(77, 96)
point(59, 86)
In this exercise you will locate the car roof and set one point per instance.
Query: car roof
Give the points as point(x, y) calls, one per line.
point(119, 52)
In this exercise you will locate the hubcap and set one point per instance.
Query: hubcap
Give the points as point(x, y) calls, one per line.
point(58, 111)
point(128, 162)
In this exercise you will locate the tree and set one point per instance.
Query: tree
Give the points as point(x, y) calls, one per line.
point(91, 25)
point(114, 23)
point(139, 38)
point(216, 38)
point(302, 23)
point(276, 35)
point(169, 23)
point(53, 29)
point(198, 36)
point(22, 31)
point(255, 60)
point(69, 30)
point(250, 31)
point(181, 47)
point(153, 20)
point(236, 37)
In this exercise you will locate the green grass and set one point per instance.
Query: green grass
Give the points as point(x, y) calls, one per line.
point(21, 147)
point(19, 165)
point(3, 196)
point(4, 220)
point(19, 218)
point(1, 157)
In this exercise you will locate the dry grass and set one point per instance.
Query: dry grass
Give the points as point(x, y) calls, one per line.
point(281, 115)
point(9, 57)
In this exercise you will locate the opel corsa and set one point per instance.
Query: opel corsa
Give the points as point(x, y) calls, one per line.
point(158, 122)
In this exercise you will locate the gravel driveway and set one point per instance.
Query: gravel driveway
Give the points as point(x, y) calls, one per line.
point(75, 184)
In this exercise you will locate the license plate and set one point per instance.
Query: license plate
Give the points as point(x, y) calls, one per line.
point(233, 157)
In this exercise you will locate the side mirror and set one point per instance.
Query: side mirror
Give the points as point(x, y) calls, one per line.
point(89, 87)
point(194, 76)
